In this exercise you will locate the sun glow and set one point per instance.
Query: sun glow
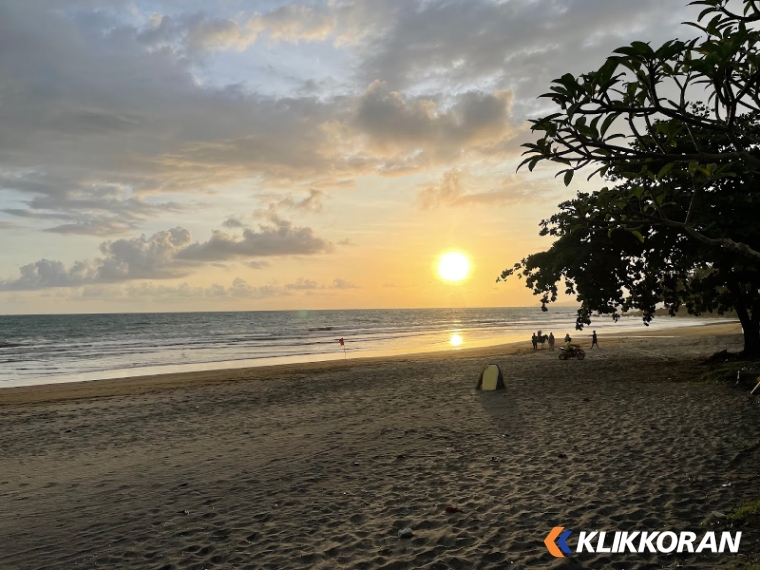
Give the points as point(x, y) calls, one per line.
point(455, 340)
point(453, 266)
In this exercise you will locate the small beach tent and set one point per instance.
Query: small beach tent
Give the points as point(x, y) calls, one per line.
point(491, 378)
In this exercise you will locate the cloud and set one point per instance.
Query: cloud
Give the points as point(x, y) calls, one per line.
point(521, 43)
point(167, 254)
point(197, 33)
point(294, 23)
point(45, 273)
point(397, 123)
point(311, 203)
point(142, 292)
point(233, 223)
point(218, 34)
point(114, 120)
point(239, 289)
point(82, 207)
point(449, 192)
point(282, 239)
point(274, 202)
point(122, 115)
point(97, 115)
point(303, 284)
point(343, 284)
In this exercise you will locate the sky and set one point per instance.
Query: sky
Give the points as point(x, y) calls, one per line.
point(266, 155)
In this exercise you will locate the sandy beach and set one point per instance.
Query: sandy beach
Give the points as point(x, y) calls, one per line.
point(320, 465)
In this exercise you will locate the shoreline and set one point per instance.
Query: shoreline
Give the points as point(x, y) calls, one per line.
point(61, 365)
point(161, 382)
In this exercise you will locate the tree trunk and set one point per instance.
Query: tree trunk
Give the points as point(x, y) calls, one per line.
point(751, 329)
point(751, 342)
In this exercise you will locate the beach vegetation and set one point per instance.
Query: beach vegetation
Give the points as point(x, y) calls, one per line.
point(724, 372)
point(673, 132)
point(747, 511)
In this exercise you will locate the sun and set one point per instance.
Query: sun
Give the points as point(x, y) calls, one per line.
point(453, 266)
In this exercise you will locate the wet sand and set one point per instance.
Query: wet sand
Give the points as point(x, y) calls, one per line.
point(320, 465)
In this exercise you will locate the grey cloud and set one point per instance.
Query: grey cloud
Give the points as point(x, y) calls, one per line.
point(233, 223)
point(239, 289)
point(45, 273)
point(122, 106)
point(165, 255)
point(194, 33)
point(282, 239)
point(395, 122)
point(311, 203)
point(521, 43)
point(90, 104)
point(142, 292)
point(94, 208)
point(218, 34)
point(93, 227)
point(303, 284)
point(108, 110)
point(153, 257)
point(83, 122)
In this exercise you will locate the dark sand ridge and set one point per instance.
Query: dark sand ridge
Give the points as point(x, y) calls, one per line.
point(318, 466)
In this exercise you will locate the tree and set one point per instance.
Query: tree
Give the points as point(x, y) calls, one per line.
point(677, 130)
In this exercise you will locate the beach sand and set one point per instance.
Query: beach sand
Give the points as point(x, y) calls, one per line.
point(320, 465)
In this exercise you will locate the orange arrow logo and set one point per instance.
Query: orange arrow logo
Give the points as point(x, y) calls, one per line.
point(551, 544)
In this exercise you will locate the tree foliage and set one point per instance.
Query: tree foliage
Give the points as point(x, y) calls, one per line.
point(675, 129)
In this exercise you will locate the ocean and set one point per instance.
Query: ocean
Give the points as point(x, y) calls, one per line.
point(41, 349)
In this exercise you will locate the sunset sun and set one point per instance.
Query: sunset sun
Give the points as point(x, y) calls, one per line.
point(453, 266)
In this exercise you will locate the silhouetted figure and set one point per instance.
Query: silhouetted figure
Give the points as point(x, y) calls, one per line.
point(567, 338)
point(534, 340)
point(594, 340)
point(551, 341)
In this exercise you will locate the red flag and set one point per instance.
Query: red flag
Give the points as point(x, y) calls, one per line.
point(340, 340)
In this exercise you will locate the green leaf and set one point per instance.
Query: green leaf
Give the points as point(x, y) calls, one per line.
point(665, 169)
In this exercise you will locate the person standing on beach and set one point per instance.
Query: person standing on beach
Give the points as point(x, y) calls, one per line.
point(594, 340)
point(534, 340)
point(551, 341)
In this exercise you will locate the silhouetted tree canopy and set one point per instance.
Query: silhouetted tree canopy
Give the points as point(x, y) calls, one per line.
point(675, 132)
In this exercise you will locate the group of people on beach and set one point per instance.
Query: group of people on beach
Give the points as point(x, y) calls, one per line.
point(539, 338)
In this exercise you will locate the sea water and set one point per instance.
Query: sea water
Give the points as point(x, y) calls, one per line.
point(40, 349)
